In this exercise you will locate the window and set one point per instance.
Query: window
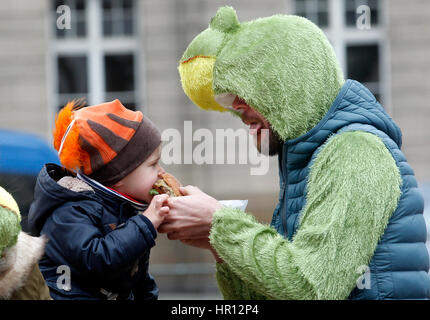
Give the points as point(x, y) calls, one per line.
point(119, 79)
point(314, 10)
point(97, 57)
point(363, 64)
point(72, 71)
point(351, 14)
point(77, 21)
point(361, 52)
point(117, 17)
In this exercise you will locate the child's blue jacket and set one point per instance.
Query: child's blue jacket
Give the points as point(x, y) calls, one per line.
point(101, 239)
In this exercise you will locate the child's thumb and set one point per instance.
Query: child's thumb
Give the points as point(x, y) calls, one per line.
point(159, 200)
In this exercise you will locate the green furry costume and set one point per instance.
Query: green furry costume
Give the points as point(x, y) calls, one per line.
point(286, 69)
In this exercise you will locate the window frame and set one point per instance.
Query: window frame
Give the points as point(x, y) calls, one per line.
point(118, 13)
point(312, 8)
point(95, 46)
point(341, 35)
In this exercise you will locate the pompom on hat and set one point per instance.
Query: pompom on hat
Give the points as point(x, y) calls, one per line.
point(10, 219)
point(105, 142)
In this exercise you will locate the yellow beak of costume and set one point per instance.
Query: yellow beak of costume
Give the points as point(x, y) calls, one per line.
point(197, 79)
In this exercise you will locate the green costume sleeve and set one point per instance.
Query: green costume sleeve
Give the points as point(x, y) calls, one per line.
point(353, 188)
point(232, 287)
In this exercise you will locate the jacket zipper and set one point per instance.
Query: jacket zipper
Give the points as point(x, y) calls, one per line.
point(285, 184)
point(284, 212)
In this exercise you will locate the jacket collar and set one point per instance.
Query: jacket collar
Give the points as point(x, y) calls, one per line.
point(111, 193)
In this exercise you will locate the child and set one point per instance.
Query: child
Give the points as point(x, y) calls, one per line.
point(95, 210)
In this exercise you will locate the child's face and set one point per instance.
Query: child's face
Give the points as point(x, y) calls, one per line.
point(139, 182)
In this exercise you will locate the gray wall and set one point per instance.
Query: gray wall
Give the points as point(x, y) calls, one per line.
point(23, 75)
point(409, 35)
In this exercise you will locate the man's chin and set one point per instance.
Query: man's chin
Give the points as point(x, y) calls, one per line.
point(270, 146)
point(268, 151)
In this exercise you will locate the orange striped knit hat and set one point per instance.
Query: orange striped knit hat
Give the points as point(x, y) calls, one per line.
point(105, 142)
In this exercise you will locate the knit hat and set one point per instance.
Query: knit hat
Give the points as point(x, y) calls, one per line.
point(10, 219)
point(105, 142)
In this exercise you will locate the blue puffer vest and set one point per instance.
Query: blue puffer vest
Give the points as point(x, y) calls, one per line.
point(399, 267)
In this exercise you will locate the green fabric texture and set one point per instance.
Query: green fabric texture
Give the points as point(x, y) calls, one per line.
point(283, 65)
point(9, 229)
point(340, 226)
point(232, 287)
point(213, 39)
point(225, 20)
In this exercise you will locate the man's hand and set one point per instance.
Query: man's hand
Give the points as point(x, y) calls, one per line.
point(190, 216)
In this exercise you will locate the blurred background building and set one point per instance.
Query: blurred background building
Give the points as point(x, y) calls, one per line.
point(130, 50)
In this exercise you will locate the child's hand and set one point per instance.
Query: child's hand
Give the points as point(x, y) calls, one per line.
point(156, 212)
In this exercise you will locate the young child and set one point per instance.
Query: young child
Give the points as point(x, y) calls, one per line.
point(96, 210)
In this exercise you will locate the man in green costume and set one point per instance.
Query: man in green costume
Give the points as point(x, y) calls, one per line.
point(349, 221)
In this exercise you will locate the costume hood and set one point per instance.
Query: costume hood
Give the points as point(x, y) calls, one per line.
point(283, 66)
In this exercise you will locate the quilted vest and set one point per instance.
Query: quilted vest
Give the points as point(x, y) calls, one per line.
point(400, 264)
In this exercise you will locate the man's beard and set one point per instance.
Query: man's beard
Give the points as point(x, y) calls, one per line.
point(270, 137)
